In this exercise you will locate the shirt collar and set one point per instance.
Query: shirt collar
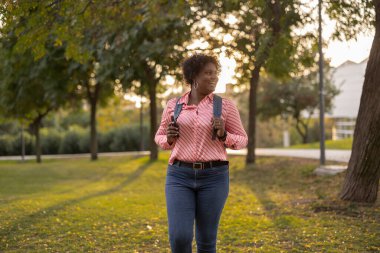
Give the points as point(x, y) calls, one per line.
point(185, 97)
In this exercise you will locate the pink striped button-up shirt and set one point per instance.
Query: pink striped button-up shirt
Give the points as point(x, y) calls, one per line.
point(194, 143)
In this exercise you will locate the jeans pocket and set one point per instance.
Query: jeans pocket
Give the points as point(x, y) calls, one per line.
point(170, 169)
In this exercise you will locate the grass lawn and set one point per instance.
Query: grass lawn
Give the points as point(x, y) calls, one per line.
point(329, 144)
point(117, 204)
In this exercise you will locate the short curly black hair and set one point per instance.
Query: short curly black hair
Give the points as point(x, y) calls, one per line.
point(193, 65)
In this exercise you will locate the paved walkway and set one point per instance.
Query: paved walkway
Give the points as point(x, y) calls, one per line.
point(331, 155)
point(63, 156)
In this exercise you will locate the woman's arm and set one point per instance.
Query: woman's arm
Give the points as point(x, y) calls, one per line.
point(161, 137)
point(236, 136)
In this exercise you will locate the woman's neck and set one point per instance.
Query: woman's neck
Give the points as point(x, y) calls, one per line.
point(195, 97)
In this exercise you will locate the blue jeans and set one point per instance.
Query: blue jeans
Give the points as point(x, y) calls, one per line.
point(199, 195)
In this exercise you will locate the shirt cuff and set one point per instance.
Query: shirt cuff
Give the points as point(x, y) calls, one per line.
point(166, 145)
point(229, 142)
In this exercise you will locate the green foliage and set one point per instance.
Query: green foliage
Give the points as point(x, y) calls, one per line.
point(297, 98)
point(126, 138)
point(352, 17)
point(30, 88)
point(29, 142)
point(296, 95)
point(50, 141)
point(269, 133)
point(107, 45)
point(77, 140)
point(79, 118)
point(262, 36)
point(71, 141)
point(9, 127)
point(11, 144)
point(5, 145)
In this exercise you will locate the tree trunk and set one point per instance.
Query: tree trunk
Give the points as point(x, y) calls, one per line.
point(153, 121)
point(22, 142)
point(142, 125)
point(35, 129)
point(254, 83)
point(300, 132)
point(363, 173)
point(304, 139)
point(275, 8)
point(38, 142)
point(93, 134)
point(93, 94)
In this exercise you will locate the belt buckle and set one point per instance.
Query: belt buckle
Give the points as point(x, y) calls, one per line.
point(198, 168)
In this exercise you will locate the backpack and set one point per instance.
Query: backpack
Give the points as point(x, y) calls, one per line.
point(217, 110)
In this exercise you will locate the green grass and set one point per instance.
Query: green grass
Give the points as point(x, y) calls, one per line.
point(118, 205)
point(329, 144)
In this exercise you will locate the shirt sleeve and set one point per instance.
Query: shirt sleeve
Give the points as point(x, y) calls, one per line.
point(160, 137)
point(236, 136)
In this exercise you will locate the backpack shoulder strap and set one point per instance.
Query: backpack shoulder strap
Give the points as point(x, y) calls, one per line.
point(217, 111)
point(217, 106)
point(177, 109)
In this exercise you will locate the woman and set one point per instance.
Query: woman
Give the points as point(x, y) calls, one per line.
point(196, 189)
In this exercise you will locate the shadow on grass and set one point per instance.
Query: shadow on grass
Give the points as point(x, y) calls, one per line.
point(291, 177)
point(263, 178)
point(44, 184)
point(96, 178)
point(266, 177)
point(272, 179)
point(29, 220)
point(300, 205)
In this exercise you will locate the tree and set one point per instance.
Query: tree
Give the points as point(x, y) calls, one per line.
point(112, 42)
point(363, 173)
point(261, 37)
point(31, 89)
point(89, 31)
point(297, 98)
point(154, 50)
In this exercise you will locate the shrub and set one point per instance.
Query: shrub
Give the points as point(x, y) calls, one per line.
point(50, 141)
point(71, 141)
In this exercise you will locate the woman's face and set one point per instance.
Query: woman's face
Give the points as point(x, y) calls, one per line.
point(207, 79)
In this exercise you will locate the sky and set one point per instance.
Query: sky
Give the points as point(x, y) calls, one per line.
point(356, 51)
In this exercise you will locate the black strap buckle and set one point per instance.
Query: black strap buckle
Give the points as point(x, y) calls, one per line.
point(198, 166)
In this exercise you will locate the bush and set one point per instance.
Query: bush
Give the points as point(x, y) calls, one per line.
point(84, 141)
point(76, 140)
point(50, 141)
point(6, 142)
point(9, 127)
point(71, 142)
point(104, 141)
point(76, 118)
point(128, 139)
point(29, 143)
point(11, 144)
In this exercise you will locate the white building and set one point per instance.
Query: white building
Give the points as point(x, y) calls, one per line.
point(349, 77)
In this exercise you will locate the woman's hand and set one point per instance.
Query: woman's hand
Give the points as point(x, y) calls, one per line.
point(172, 132)
point(218, 123)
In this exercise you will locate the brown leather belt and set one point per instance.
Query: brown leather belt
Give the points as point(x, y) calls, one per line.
point(201, 165)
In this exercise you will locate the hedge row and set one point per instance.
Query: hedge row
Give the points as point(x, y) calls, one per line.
point(76, 140)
